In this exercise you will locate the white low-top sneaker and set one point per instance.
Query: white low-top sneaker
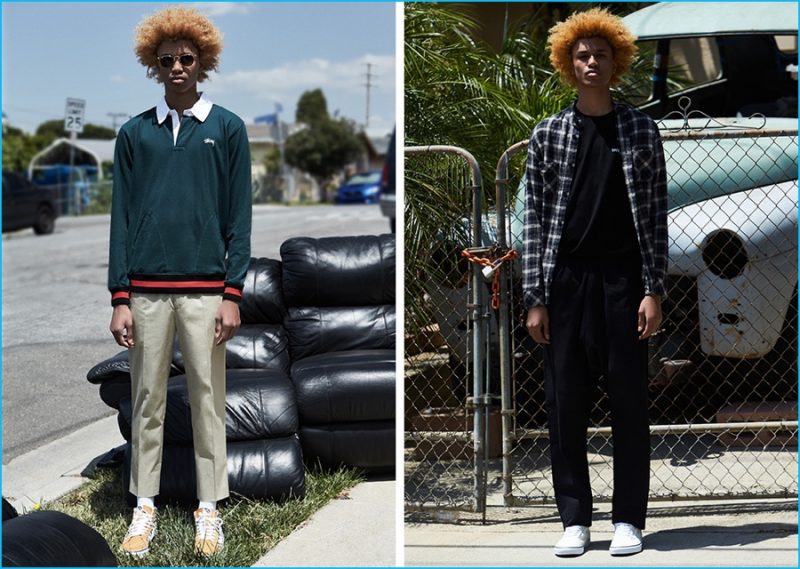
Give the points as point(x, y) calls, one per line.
point(627, 540)
point(574, 541)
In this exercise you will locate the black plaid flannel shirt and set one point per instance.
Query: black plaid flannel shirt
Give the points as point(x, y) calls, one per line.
point(552, 153)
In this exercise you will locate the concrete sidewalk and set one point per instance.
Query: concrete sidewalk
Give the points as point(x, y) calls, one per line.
point(359, 531)
point(686, 533)
point(355, 532)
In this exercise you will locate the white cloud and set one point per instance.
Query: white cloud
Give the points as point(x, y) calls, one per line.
point(118, 79)
point(275, 83)
point(223, 8)
point(379, 126)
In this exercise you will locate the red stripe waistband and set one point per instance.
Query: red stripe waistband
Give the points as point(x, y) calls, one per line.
point(177, 284)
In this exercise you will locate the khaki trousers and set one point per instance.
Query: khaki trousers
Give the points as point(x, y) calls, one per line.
point(156, 319)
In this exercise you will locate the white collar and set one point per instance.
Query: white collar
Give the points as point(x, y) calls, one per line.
point(200, 109)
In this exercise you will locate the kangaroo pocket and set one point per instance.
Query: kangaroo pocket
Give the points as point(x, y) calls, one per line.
point(209, 256)
point(147, 253)
point(178, 244)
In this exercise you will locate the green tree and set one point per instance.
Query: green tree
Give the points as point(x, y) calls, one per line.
point(312, 107)
point(52, 129)
point(460, 92)
point(55, 129)
point(272, 161)
point(16, 152)
point(98, 132)
point(19, 148)
point(325, 145)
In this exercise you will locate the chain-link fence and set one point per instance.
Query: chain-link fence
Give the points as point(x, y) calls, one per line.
point(443, 305)
point(723, 368)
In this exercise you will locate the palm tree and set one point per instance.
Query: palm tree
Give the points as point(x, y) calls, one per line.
point(459, 92)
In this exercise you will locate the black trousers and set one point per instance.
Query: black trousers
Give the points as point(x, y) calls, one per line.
point(593, 331)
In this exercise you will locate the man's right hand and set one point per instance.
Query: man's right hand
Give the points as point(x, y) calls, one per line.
point(122, 325)
point(538, 324)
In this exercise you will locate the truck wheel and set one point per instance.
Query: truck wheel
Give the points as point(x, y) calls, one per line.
point(45, 221)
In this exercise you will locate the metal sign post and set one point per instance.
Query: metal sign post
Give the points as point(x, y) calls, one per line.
point(73, 123)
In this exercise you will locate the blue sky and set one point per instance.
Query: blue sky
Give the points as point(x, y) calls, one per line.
point(273, 52)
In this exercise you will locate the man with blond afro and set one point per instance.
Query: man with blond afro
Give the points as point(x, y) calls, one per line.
point(594, 266)
point(179, 251)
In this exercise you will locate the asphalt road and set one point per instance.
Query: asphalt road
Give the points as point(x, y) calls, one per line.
point(56, 312)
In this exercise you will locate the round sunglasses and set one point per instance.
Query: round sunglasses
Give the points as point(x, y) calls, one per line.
point(167, 61)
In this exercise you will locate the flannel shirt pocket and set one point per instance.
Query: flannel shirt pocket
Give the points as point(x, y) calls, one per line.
point(550, 178)
point(644, 164)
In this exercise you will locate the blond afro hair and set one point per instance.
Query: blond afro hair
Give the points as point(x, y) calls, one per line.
point(594, 23)
point(174, 24)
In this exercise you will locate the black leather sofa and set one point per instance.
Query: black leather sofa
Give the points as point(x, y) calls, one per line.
point(310, 373)
point(341, 326)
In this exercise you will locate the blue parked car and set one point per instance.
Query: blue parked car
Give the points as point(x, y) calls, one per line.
point(363, 187)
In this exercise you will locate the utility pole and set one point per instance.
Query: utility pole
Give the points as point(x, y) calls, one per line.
point(115, 116)
point(368, 85)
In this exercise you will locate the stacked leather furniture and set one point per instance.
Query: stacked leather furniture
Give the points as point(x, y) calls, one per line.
point(312, 363)
point(341, 325)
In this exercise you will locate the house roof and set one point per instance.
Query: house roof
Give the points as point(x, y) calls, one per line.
point(376, 145)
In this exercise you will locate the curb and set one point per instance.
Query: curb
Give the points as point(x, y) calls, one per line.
point(58, 467)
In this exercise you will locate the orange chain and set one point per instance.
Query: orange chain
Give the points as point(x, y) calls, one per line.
point(487, 262)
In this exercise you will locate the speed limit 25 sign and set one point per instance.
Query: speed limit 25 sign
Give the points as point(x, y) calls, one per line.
point(73, 116)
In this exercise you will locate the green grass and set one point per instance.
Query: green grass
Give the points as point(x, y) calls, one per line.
point(251, 527)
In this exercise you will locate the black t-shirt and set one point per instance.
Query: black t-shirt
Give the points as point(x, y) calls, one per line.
point(599, 223)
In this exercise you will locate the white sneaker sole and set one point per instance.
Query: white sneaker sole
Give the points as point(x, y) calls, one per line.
point(626, 550)
point(568, 551)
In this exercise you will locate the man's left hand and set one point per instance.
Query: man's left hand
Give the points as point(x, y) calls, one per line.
point(227, 321)
point(649, 316)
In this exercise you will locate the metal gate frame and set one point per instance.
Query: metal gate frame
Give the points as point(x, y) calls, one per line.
point(478, 316)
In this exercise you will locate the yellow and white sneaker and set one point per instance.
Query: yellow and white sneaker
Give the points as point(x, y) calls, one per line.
point(141, 532)
point(208, 537)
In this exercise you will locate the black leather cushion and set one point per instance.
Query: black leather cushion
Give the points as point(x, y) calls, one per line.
point(318, 330)
point(341, 387)
point(259, 404)
point(112, 391)
point(53, 539)
point(361, 445)
point(255, 346)
point(113, 367)
point(117, 367)
point(259, 346)
point(262, 295)
point(339, 271)
point(270, 469)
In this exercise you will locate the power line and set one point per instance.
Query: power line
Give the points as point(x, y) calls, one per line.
point(368, 85)
point(114, 117)
point(32, 111)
